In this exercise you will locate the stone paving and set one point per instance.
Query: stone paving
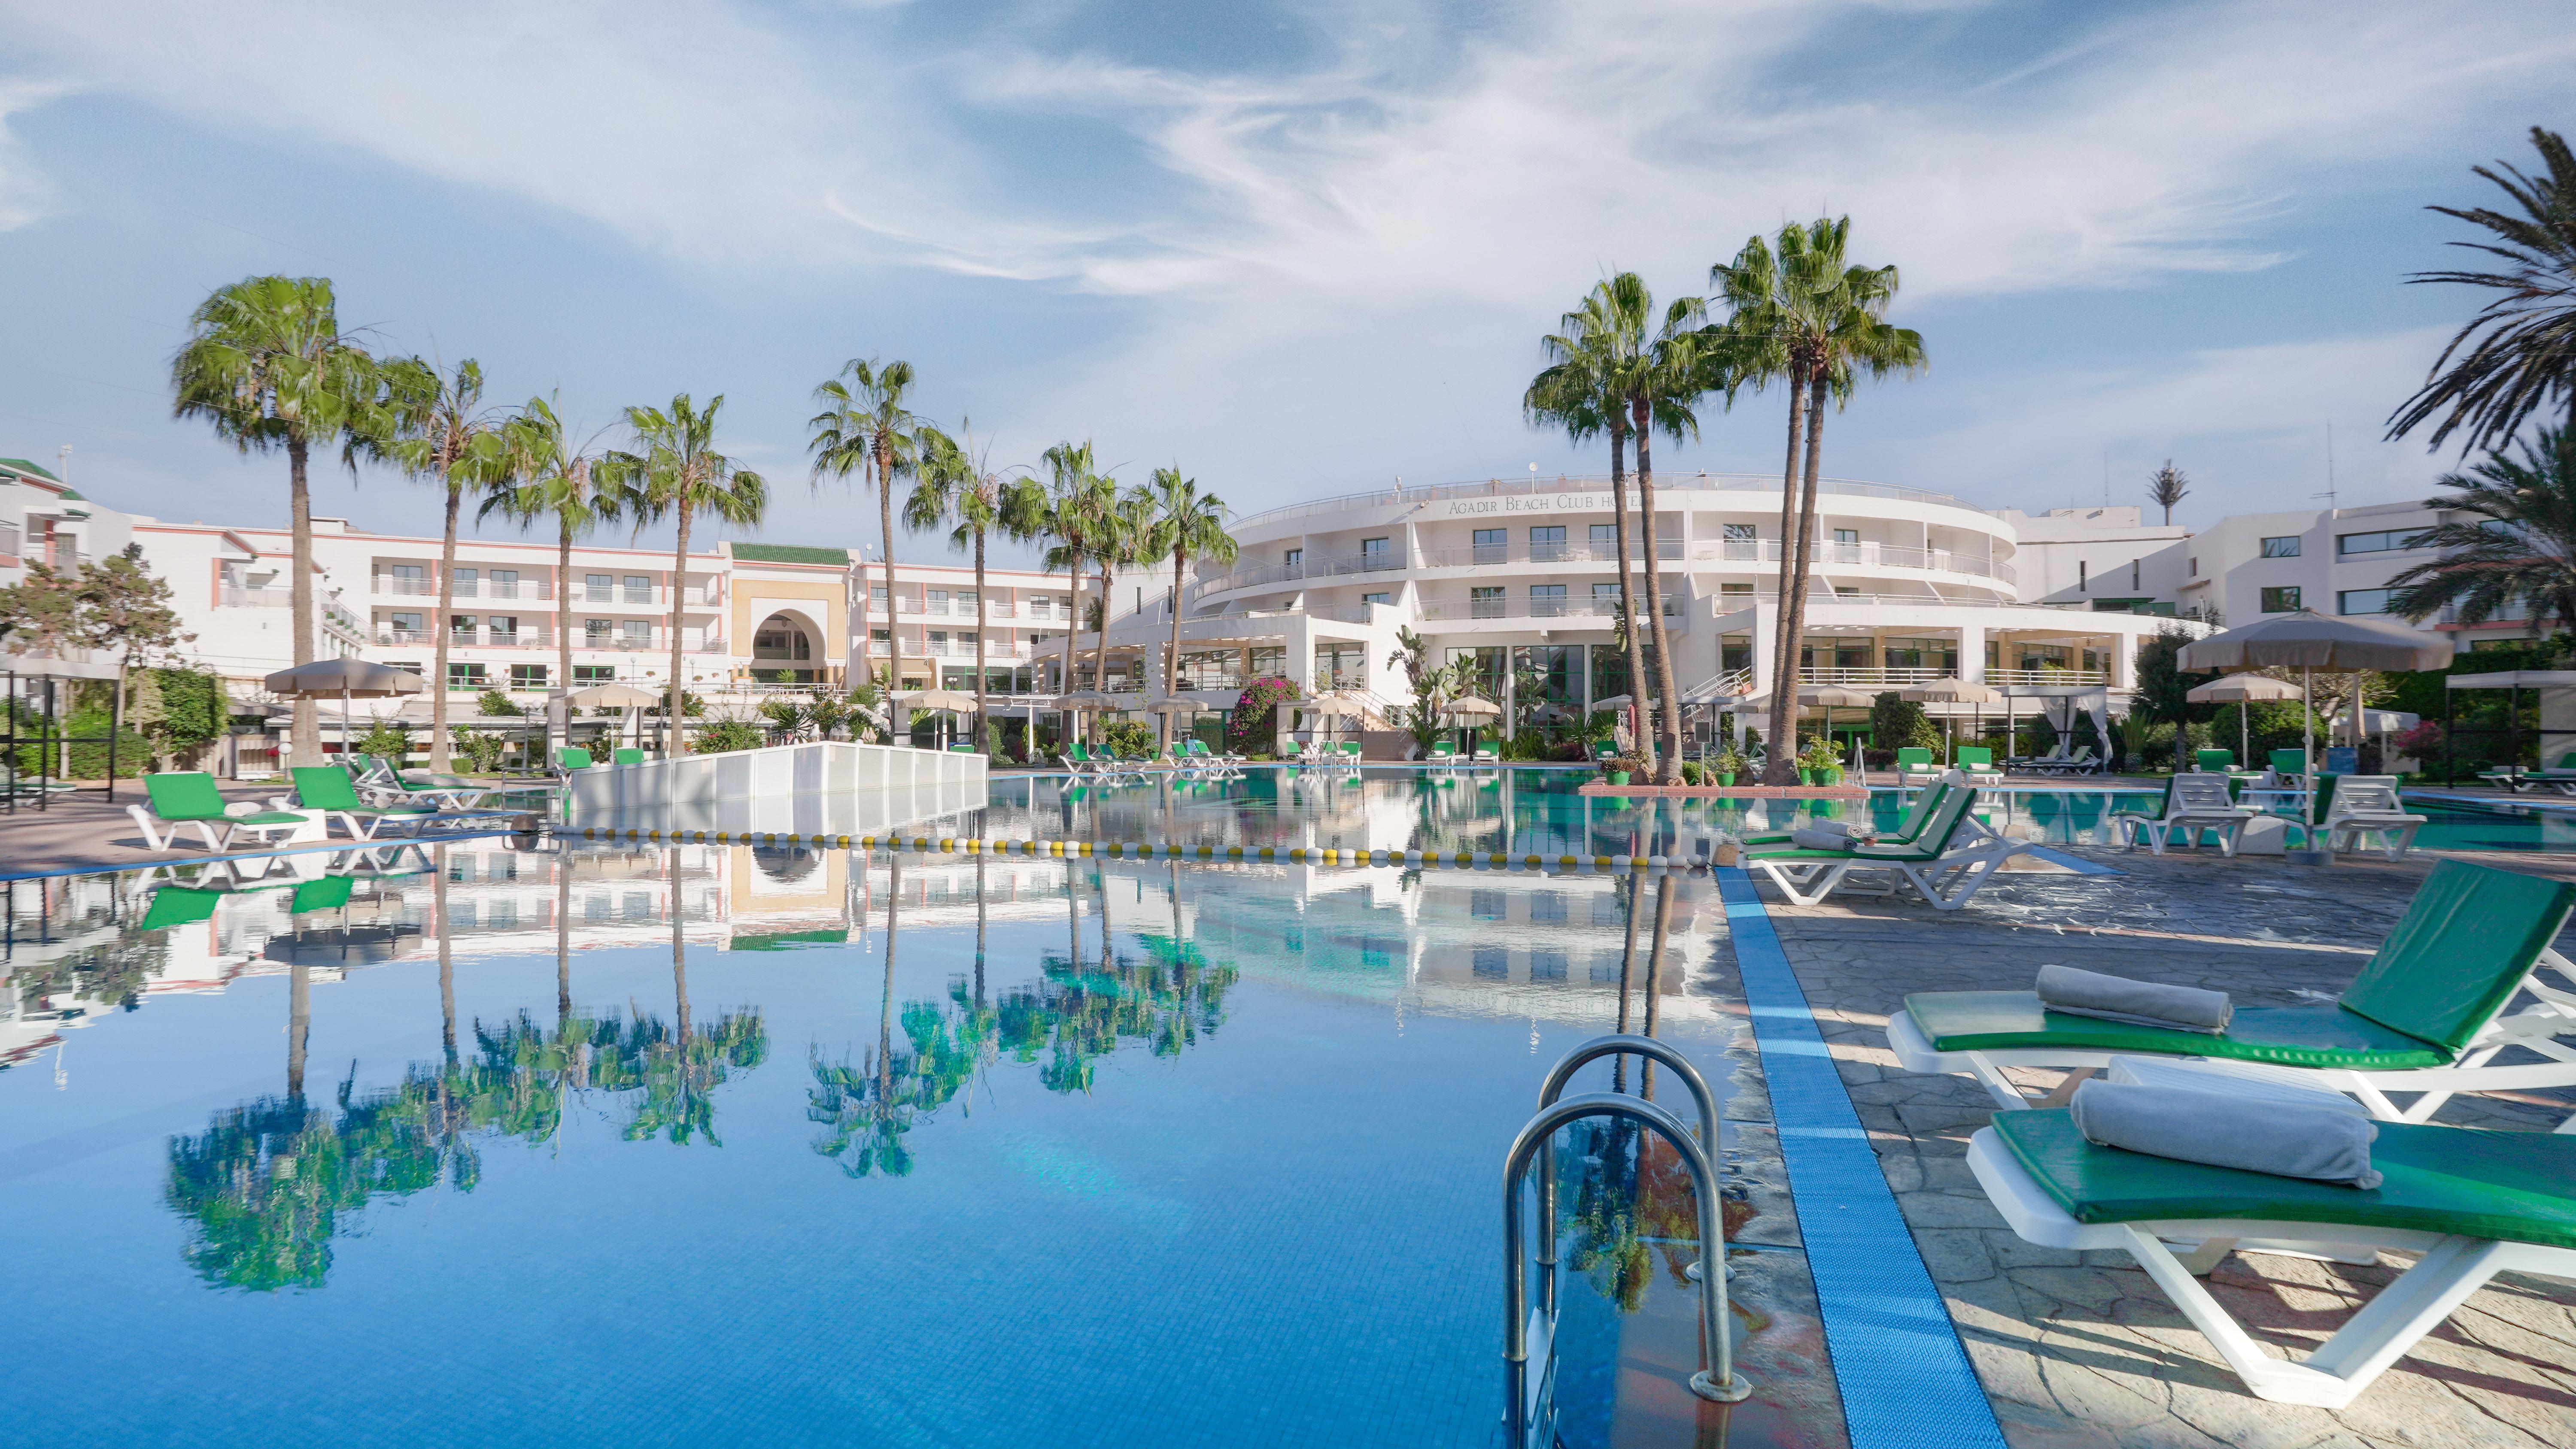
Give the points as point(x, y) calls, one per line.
point(2080, 1350)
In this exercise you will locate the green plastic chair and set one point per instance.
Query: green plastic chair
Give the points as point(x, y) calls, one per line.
point(626, 757)
point(190, 798)
point(571, 757)
point(327, 788)
point(177, 905)
point(327, 894)
point(1977, 760)
point(2215, 762)
point(1913, 761)
point(2289, 762)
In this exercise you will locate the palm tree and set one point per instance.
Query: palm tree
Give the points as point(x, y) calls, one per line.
point(1810, 318)
point(2519, 552)
point(675, 471)
point(952, 483)
point(865, 428)
point(1582, 390)
point(439, 429)
point(1078, 504)
point(1124, 540)
point(2519, 351)
point(1661, 392)
point(267, 365)
point(2168, 486)
point(565, 480)
point(1187, 524)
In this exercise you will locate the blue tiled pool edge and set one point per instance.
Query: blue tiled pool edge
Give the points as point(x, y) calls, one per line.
point(1904, 1376)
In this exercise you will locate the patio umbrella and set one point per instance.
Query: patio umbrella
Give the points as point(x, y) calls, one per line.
point(1830, 697)
point(614, 696)
point(2309, 641)
point(1175, 705)
point(941, 701)
point(1473, 710)
point(347, 679)
point(1956, 691)
point(2241, 690)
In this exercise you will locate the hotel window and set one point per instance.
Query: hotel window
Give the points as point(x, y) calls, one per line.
point(1373, 552)
point(2362, 601)
point(1547, 544)
point(639, 588)
point(1605, 540)
point(505, 583)
point(1294, 557)
point(938, 641)
point(2285, 546)
point(1605, 598)
point(2081, 570)
point(2195, 567)
point(966, 601)
point(1493, 545)
point(1547, 905)
point(1847, 535)
point(1558, 668)
point(938, 602)
point(1041, 606)
point(1488, 905)
point(464, 676)
point(877, 597)
point(599, 588)
point(2388, 542)
point(2281, 601)
point(1377, 598)
point(1547, 965)
point(505, 628)
point(1739, 533)
point(1484, 603)
point(527, 676)
point(406, 579)
point(1493, 963)
point(466, 579)
point(403, 624)
point(966, 642)
point(460, 627)
point(593, 673)
point(1736, 591)
point(639, 634)
point(595, 632)
point(1734, 652)
point(1547, 600)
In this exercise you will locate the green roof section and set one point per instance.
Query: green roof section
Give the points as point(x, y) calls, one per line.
point(21, 465)
point(793, 553)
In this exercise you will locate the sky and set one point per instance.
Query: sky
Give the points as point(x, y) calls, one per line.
point(1293, 249)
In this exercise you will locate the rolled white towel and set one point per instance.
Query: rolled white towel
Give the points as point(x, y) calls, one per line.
point(1809, 837)
point(2285, 1139)
point(2141, 1003)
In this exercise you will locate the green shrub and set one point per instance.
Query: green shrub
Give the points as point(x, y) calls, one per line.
point(483, 751)
point(728, 735)
point(1130, 738)
point(493, 704)
point(88, 731)
point(1691, 773)
point(1254, 723)
point(386, 739)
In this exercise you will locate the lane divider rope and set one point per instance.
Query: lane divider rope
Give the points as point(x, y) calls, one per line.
point(1143, 850)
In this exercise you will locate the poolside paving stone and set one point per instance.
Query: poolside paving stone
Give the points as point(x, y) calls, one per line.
point(2080, 1350)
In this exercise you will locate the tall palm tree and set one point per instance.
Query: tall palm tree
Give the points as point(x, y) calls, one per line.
point(2519, 351)
point(865, 428)
point(268, 367)
point(676, 472)
point(1078, 504)
point(1583, 391)
point(1662, 391)
point(562, 478)
point(1125, 540)
point(1187, 524)
point(1810, 317)
point(2519, 551)
point(953, 484)
point(438, 429)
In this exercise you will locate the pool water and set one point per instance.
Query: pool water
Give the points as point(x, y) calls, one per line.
point(590, 1145)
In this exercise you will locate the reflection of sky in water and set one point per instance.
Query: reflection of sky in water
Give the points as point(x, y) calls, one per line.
point(935, 1150)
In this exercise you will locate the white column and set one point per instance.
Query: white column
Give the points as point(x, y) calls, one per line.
point(1972, 653)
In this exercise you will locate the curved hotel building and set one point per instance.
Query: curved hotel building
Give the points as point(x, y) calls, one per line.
point(1521, 575)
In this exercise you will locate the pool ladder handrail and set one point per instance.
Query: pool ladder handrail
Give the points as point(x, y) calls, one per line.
point(1717, 1379)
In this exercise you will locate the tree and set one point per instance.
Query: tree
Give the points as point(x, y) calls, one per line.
point(438, 429)
point(2521, 551)
point(1077, 511)
point(1123, 539)
point(559, 478)
point(267, 367)
point(1802, 314)
point(1582, 390)
point(2519, 352)
point(42, 612)
point(1661, 391)
point(953, 484)
point(2163, 689)
point(864, 428)
point(675, 471)
point(2167, 487)
point(122, 608)
point(1187, 524)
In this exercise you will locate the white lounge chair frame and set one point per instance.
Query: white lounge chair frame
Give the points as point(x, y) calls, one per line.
point(2536, 1028)
point(1948, 881)
point(2365, 805)
point(2197, 803)
point(2342, 1367)
point(152, 836)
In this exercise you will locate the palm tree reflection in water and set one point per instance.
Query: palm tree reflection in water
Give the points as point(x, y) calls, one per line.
point(1164, 994)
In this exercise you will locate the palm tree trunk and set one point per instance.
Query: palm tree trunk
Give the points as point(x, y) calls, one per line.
point(1628, 579)
point(304, 740)
point(894, 629)
point(1665, 693)
point(1073, 576)
point(563, 945)
point(679, 953)
point(1627, 982)
point(674, 720)
point(983, 721)
point(1778, 767)
point(1655, 977)
point(1172, 657)
point(440, 758)
point(1784, 706)
point(885, 1000)
point(563, 624)
point(299, 1024)
point(1100, 651)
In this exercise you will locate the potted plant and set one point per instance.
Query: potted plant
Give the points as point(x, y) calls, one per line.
point(1727, 766)
point(1618, 768)
point(1816, 763)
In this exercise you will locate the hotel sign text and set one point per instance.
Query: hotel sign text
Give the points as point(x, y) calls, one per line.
point(1538, 503)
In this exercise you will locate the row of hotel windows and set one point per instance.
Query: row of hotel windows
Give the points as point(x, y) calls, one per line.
point(941, 601)
point(522, 676)
point(505, 627)
point(504, 584)
point(2347, 601)
point(1546, 541)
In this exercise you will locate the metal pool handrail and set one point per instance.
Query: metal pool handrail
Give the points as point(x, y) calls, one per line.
point(1615, 1044)
point(1716, 1378)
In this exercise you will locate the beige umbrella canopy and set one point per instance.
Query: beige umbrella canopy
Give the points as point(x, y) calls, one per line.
point(1175, 705)
point(615, 696)
point(1831, 697)
point(1958, 691)
point(1470, 707)
point(1084, 699)
point(2308, 641)
point(2242, 689)
point(348, 679)
point(949, 700)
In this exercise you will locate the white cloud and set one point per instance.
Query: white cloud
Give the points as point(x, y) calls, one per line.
point(27, 194)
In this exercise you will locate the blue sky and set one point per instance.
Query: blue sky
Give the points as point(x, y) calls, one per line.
point(1296, 249)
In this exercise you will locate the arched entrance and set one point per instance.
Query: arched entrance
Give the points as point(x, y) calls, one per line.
point(784, 644)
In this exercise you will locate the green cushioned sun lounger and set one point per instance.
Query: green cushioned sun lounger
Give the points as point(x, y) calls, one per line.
point(2473, 1203)
point(2423, 1016)
point(1938, 864)
point(190, 798)
point(327, 788)
point(1907, 828)
point(176, 905)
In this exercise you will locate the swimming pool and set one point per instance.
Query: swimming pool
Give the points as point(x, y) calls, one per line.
point(715, 1143)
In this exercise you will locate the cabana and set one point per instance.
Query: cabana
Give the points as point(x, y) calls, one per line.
point(2557, 689)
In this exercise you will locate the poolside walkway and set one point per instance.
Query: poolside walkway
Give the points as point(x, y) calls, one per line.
point(2079, 1350)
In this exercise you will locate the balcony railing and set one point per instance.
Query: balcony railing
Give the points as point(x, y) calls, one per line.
point(403, 586)
point(1487, 555)
point(234, 597)
point(1526, 487)
point(1543, 606)
point(1901, 677)
point(492, 589)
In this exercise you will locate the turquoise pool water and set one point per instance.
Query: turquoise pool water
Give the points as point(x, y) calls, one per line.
point(719, 1145)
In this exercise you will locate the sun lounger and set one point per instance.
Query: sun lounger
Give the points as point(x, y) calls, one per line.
point(636, 757)
point(1910, 827)
point(2082, 762)
point(2194, 805)
point(2359, 806)
point(1946, 865)
point(190, 798)
point(1977, 762)
point(2473, 1203)
point(1914, 766)
point(13, 783)
point(1486, 755)
point(2425, 1014)
point(2214, 762)
point(2056, 754)
point(1441, 756)
point(326, 789)
point(381, 781)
